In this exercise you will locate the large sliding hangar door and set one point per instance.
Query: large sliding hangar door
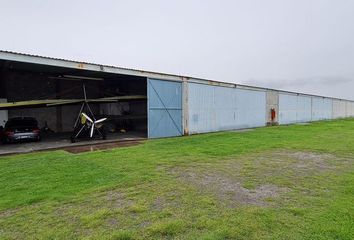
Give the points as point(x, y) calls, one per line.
point(164, 108)
point(294, 108)
point(208, 108)
point(321, 108)
point(217, 108)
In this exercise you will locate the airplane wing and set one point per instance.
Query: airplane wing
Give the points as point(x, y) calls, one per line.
point(58, 102)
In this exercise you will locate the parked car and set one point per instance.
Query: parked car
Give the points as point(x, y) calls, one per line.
point(21, 129)
point(2, 132)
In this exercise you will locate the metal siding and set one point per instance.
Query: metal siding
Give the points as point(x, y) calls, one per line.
point(251, 108)
point(164, 108)
point(344, 106)
point(225, 108)
point(287, 108)
point(327, 108)
point(347, 108)
point(215, 108)
point(350, 109)
point(321, 108)
point(317, 109)
point(202, 116)
point(339, 109)
point(303, 113)
point(57, 62)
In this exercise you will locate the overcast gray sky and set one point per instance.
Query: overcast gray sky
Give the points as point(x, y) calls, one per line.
point(297, 45)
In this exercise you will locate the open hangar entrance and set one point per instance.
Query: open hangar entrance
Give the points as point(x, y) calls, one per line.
point(32, 84)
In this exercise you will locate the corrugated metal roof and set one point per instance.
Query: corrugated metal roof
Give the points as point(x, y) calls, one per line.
point(59, 62)
point(30, 58)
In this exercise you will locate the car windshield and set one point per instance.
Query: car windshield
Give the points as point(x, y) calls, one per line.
point(26, 122)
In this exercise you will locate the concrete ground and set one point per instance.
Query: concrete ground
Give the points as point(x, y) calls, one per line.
point(62, 141)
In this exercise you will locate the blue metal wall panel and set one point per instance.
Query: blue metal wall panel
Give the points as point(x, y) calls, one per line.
point(202, 115)
point(225, 108)
point(287, 108)
point(164, 108)
point(294, 108)
point(317, 108)
point(350, 109)
point(303, 112)
point(251, 108)
point(327, 108)
point(339, 109)
point(215, 108)
point(321, 108)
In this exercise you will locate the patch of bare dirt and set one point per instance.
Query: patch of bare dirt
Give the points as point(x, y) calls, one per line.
point(307, 161)
point(8, 213)
point(111, 199)
point(228, 189)
point(116, 199)
point(170, 199)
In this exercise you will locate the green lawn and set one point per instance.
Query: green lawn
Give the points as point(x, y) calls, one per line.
point(288, 182)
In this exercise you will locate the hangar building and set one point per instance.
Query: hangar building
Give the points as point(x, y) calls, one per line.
point(149, 104)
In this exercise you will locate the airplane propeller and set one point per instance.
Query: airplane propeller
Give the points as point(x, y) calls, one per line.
point(93, 123)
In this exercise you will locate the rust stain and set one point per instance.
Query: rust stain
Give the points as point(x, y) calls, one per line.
point(81, 65)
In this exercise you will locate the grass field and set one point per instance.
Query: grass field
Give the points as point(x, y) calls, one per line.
point(288, 182)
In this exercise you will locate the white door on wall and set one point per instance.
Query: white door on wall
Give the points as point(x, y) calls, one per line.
point(3, 113)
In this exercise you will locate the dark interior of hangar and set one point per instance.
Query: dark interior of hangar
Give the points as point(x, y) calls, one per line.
point(26, 81)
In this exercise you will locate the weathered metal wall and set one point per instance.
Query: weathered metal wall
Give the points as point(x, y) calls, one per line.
point(287, 108)
point(182, 108)
point(328, 108)
point(350, 109)
point(339, 109)
point(215, 108)
point(317, 105)
point(164, 108)
point(294, 108)
point(304, 109)
point(321, 108)
point(251, 108)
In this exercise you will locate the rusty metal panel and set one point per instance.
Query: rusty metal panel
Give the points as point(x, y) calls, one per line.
point(215, 108)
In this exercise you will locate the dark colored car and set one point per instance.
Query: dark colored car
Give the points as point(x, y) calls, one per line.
point(21, 129)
